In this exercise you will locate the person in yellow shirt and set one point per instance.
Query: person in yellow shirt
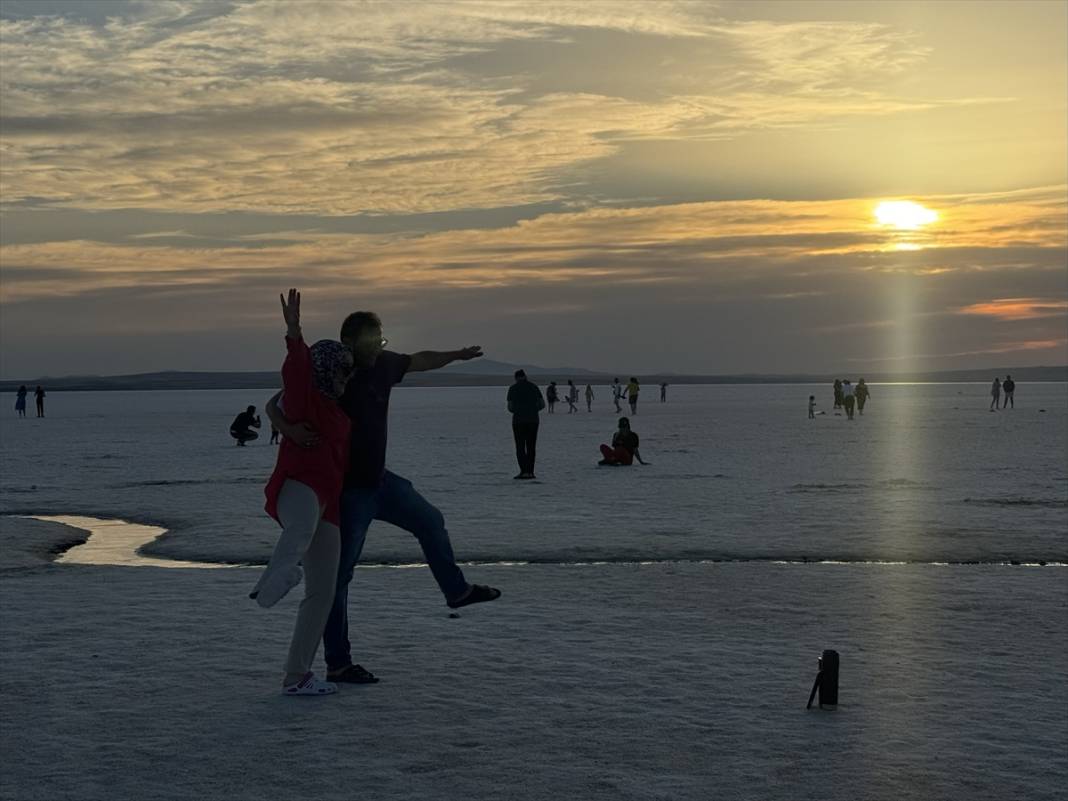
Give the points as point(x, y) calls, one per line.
point(632, 394)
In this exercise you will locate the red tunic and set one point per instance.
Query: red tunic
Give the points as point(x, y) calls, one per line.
point(323, 467)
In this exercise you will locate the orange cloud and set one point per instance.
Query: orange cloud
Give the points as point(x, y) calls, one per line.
point(1017, 308)
point(689, 241)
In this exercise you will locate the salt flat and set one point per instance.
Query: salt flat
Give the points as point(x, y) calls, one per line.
point(674, 680)
point(614, 682)
point(927, 474)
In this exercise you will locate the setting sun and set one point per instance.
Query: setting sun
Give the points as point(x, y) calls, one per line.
point(904, 214)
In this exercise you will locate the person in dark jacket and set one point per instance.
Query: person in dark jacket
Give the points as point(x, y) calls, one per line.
point(524, 402)
point(1008, 386)
point(241, 428)
point(552, 396)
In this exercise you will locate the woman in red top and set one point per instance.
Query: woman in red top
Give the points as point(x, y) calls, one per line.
point(302, 495)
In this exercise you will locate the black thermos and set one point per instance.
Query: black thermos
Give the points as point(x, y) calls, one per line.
point(829, 680)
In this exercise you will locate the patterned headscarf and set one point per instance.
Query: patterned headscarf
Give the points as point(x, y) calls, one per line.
point(327, 356)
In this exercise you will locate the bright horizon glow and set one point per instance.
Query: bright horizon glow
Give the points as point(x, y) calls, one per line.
point(904, 214)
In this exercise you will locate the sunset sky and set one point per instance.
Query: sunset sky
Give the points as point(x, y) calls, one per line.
point(626, 186)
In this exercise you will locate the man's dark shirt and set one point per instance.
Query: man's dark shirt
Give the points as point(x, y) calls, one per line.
point(243, 422)
point(525, 399)
point(366, 402)
point(1009, 386)
point(625, 439)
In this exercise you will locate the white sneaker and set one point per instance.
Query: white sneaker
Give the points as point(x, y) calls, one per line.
point(310, 685)
point(274, 587)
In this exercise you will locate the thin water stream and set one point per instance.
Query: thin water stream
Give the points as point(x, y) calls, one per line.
point(118, 542)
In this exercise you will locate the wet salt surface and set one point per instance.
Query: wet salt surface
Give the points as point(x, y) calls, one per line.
point(114, 542)
point(926, 475)
point(118, 542)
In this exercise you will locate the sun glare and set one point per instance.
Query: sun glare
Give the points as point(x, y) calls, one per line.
point(904, 214)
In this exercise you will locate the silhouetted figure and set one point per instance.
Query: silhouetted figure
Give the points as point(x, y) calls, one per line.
point(617, 394)
point(1010, 387)
point(632, 394)
point(837, 393)
point(303, 497)
point(624, 447)
point(995, 394)
point(663, 393)
point(524, 402)
point(862, 394)
point(39, 396)
point(551, 396)
point(373, 492)
point(848, 399)
point(20, 401)
point(274, 436)
point(572, 397)
point(811, 407)
point(241, 428)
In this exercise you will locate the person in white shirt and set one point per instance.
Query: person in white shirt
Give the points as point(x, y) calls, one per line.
point(848, 399)
point(572, 397)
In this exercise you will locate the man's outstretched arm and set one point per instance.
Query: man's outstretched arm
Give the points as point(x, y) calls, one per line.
point(434, 359)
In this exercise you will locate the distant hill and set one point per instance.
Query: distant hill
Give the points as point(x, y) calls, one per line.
point(494, 373)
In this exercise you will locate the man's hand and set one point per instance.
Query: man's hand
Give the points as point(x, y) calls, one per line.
point(301, 434)
point(435, 359)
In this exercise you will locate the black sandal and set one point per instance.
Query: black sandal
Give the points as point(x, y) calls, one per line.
point(352, 674)
point(477, 594)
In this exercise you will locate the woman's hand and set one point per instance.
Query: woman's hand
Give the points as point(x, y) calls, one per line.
point(291, 313)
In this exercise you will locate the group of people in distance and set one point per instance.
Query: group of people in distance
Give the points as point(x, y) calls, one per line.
point(525, 401)
point(330, 482)
point(571, 396)
point(1008, 386)
point(20, 400)
point(846, 397)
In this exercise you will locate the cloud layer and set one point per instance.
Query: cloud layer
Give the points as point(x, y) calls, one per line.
point(342, 108)
point(634, 186)
point(824, 276)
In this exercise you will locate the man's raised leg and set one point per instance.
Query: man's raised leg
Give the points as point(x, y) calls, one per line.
point(401, 504)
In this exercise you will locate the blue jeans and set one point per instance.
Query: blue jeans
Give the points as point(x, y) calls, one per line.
point(395, 501)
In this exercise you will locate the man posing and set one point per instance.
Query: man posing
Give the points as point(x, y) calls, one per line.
point(524, 402)
point(374, 493)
